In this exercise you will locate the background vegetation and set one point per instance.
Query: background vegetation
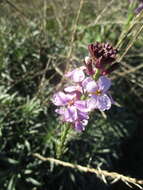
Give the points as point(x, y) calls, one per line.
point(39, 40)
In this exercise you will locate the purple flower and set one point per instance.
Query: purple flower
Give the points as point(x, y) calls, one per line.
point(80, 125)
point(77, 75)
point(86, 82)
point(69, 100)
point(62, 99)
point(78, 90)
point(98, 92)
point(68, 114)
point(73, 110)
point(72, 115)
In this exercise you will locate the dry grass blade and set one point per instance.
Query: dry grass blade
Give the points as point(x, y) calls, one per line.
point(99, 17)
point(113, 175)
point(55, 9)
point(74, 32)
point(131, 43)
point(69, 54)
point(124, 34)
point(25, 18)
point(132, 70)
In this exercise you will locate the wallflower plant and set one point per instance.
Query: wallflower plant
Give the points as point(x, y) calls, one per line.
point(89, 89)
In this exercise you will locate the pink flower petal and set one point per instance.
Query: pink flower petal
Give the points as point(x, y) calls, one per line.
point(80, 125)
point(81, 105)
point(83, 115)
point(86, 81)
point(70, 89)
point(91, 87)
point(92, 104)
point(70, 114)
point(103, 102)
point(62, 99)
point(77, 75)
point(104, 83)
point(59, 99)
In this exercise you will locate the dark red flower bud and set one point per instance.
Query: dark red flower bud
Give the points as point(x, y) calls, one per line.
point(102, 54)
point(89, 66)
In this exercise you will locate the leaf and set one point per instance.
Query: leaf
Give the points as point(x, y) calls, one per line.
point(33, 181)
point(11, 185)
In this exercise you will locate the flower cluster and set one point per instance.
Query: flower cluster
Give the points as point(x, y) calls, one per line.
point(89, 89)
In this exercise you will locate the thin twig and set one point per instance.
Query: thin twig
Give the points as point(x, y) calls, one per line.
point(74, 31)
point(98, 17)
point(70, 50)
point(18, 10)
point(98, 172)
point(131, 43)
point(132, 70)
point(53, 3)
point(124, 33)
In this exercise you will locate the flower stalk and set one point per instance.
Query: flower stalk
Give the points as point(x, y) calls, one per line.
point(96, 75)
point(60, 149)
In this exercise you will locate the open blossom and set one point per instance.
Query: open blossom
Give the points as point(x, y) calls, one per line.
point(73, 110)
point(77, 101)
point(98, 92)
point(77, 75)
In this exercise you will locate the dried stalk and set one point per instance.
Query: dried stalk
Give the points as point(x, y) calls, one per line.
point(103, 174)
point(125, 73)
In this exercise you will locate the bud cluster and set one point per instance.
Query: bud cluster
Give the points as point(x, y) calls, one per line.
point(101, 56)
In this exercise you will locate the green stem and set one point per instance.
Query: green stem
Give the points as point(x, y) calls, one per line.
point(62, 144)
point(96, 75)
